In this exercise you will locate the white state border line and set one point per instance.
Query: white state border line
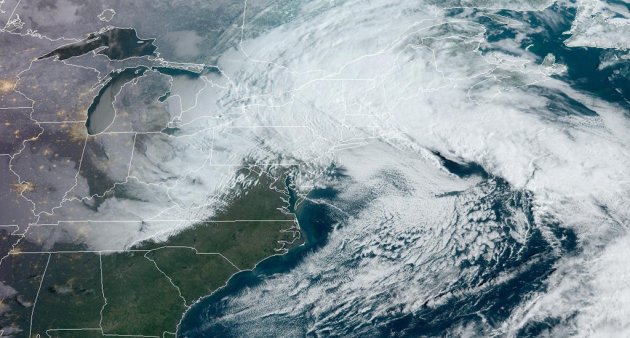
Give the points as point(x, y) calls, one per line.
point(11, 15)
point(41, 282)
point(15, 108)
point(328, 77)
point(100, 255)
point(159, 220)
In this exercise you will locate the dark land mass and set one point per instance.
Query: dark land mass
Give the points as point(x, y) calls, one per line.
point(76, 297)
point(145, 290)
point(316, 219)
point(101, 111)
point(21, 276)
point(109, 90)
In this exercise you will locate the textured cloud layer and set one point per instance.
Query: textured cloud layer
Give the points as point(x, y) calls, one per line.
point(601, 23)
point(378, 87)
point(433, 80)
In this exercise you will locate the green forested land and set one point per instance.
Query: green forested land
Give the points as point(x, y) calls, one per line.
point(148, 288)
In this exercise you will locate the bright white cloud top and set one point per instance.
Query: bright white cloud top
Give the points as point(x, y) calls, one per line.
point(392, 91)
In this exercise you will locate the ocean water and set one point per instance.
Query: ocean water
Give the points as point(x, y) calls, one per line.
point(583, 63)
point(485, 287)
point(458, 290)
point(316, 222)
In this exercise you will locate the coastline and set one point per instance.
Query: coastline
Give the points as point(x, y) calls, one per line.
point(315, 224)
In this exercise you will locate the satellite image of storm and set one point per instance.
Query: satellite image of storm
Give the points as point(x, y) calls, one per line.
point(314, 168)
